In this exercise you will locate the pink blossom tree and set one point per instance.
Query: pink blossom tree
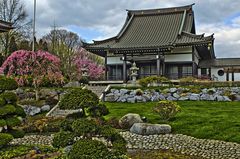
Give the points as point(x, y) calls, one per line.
point(82, 60)
point(38, 65)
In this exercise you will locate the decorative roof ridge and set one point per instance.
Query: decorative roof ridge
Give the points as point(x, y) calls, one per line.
point(104, 40)
point(161, 10)
point(199, 36)
point(125, 27)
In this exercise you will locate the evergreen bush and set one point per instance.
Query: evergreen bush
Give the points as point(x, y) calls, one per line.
point(63, 139)
point(5, 139)
point(9, 97)
point(85, 127)
point(167, 109)
point(7, 84)
point(88, 149)
point(78, 99)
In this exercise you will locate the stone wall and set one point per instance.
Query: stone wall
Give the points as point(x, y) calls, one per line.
point(174, 94)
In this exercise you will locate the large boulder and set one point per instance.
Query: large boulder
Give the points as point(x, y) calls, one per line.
point(150, 129)
point(45, 108)
point(128, 120)
point(110, 97)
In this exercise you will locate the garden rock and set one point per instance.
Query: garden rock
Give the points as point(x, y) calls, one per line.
point(150, 129)
point(31, 110)
point(67, 149)
point(194, 97)
point(72, 84)
point(131, 100)
point(171, 98)
point(227, 99)
point(147, 97)
point(183, 98)
point(45, 108)
point(19, 91)
point(128, 120)
point(110, 97)
point(175, 95)
point(123, 91)
point(173, 90)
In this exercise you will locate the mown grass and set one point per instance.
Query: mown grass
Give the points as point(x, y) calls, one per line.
point(201, 119)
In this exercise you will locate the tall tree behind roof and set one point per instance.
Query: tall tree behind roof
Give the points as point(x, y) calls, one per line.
point(13, 11)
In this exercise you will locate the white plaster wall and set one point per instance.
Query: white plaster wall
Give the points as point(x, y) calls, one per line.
point(178, 58)
point(219, 78)
point(236, 76)
point(114, 60)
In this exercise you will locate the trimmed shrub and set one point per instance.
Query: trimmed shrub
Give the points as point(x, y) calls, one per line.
point(113, 122)
point(84, 80)
point(2, 123)
point(17, 133)
point(7, 109)
point(13, 121)
point(63, 139)
point(144, 82)
point(98, 110)
point(7, 84)
point(66, 125)
point(85, 127)
point(5, 139)
point(78, 98)
point(20, 111)
point(10, 97)
point(166, 109)
point(88, 149)
point(2, 102)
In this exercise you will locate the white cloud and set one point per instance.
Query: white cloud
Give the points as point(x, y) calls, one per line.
point(108, 16)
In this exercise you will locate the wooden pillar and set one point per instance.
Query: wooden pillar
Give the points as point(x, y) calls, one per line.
point(232, 74)
point(158, 64)
point(163, 68)
point(227, 78)
point(106, 68)
point(124, 68)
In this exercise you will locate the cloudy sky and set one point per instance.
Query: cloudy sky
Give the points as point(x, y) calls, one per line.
point(99, 19)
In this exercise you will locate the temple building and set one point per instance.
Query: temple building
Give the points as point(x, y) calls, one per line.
point(5, 26)
point(160, 42)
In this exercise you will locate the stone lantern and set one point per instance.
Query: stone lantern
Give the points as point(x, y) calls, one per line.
point(84, 72)
point(134, 69)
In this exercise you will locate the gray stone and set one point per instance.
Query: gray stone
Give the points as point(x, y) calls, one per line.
point(194, 97)
point(139, 98)
point(123, 91)
point(227, 99)
point(173, 90)
point(171, 98)
point(131, 100)
point(150, 129)
point(176, 95)
point(128, 120)
point(155, 98)
point(205, 97)
point(183, 98)
point(45, 108)
point(72, 84)
point(219, 98)
point(19, 91)
point(31, 110)
point(162, 97)
point(147, 97)
point(123, 98)
point(110, 97)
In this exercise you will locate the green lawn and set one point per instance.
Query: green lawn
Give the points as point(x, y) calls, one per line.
point(201, 119)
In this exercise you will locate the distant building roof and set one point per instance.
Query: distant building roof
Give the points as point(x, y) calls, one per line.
point(220, 62)
point(155, 28)
point(5, 26)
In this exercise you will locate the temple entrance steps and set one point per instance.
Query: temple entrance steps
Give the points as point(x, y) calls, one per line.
point(98, 90)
